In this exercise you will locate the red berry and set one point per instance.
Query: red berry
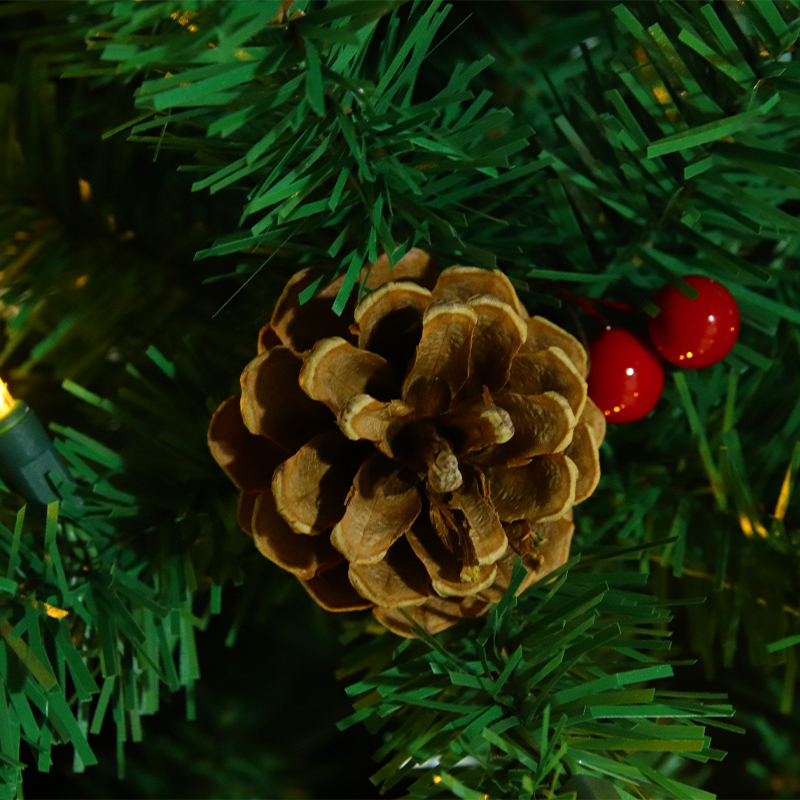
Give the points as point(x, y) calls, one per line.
point(695, 333)
point(626, 376)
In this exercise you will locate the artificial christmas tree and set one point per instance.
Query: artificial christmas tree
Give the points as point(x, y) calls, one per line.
point(168, 169)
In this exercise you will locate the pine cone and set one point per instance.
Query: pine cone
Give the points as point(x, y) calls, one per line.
point(404, 460)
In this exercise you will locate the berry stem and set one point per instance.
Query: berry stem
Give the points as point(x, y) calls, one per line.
point(588, 303)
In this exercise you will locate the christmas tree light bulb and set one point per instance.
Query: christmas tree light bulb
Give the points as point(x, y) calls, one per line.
point(28, 460)
point(6, 400)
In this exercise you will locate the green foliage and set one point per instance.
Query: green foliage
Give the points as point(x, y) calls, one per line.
point(105, 592)
point(704, 152)
point(640, 144)
point(672, 144)
point(91, 269)
point(320, 123)
point(553, 682)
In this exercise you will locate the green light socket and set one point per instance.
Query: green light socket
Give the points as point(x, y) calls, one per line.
point(27, 455)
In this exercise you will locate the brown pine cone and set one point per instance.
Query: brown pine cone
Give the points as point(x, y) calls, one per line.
point(401, 455)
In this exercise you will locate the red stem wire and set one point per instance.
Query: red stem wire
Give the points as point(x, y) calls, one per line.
point(588, 303)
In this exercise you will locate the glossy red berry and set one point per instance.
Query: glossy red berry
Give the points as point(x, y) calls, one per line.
point(695, 333)
point(626, 377)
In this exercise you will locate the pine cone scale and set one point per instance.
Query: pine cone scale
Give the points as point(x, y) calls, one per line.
point(398, 580)
point(584, 452)
point(310, 487)
point(542, 490)
point(244, 511)
point(273, 405)
point(499, 333)
point(334, 371)
point(332, 589)
point(476, 426)
point(553, 550)
point(389, 322)
point(267, 339)
point(487, 538)
point(595, 419)
point(549, 370)
point(462, 283)
point(416, 265)
point(382, 506)
point(441, 364)
point(434, 616)
point(543, 334)
point(300, 326)
point(247, 460)
point(543, 423)
point(365, 418)
point(449, 575)
point(303, 556)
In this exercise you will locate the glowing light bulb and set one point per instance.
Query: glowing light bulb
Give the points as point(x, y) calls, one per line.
point(629, 371)
point(6, 400)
